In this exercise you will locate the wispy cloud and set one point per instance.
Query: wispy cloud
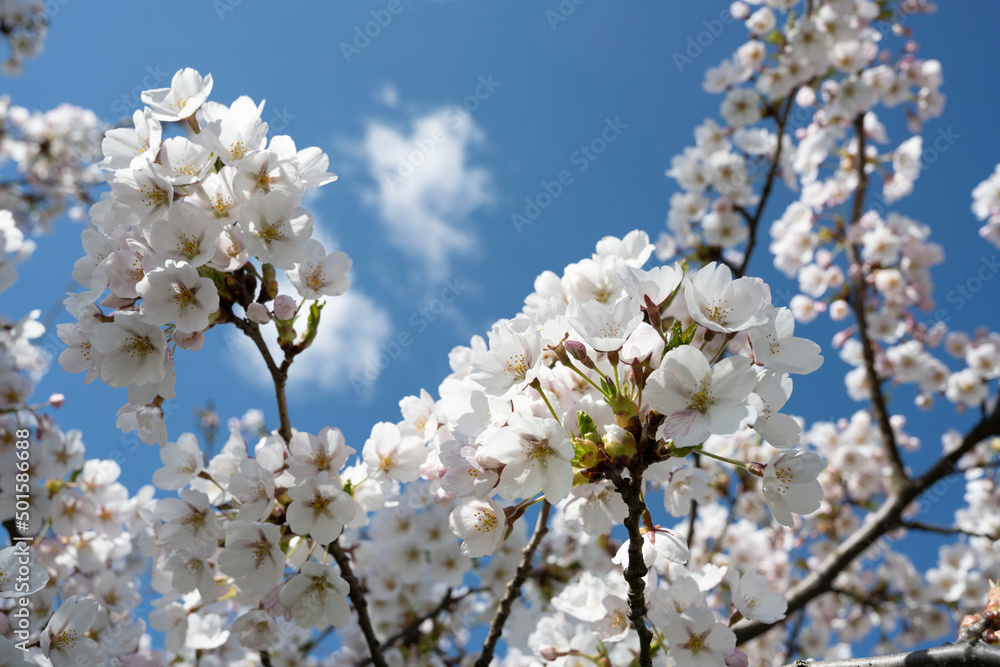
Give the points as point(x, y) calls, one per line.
point(426, 189)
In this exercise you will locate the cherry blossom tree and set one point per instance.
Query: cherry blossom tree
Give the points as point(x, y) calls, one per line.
point(649, 373)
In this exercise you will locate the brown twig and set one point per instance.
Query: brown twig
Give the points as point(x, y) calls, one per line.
point(754, 220)
point(514, 586)
point(316, 641)
point(859, 294)
point(279, 375)
point(631, 492)
point(944, 530)
point(357, 595)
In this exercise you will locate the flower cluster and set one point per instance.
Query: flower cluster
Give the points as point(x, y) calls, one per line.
point(49, 162)
point(24, 24)
point(609, 365)
point(986, 206)
point(818, 71)
point(173, 241)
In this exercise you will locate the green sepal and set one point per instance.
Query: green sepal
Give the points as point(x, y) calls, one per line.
point(312, 327)
point(688, 335)
point(624, 449)
point(585, 452)
point(623, 404)
point(681, 452)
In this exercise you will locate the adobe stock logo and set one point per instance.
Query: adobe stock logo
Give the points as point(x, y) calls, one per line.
point(563, 11)
point(697, 43)
point(381, 18)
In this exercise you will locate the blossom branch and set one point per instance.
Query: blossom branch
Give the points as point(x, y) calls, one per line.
point(884, 520)
point(939, 656)
point(860, 294)
point(357, 596)
point(514, 586)
point(754, 220)
point(631, 492)
point(279, 374)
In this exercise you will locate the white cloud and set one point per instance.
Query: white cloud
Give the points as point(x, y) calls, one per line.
point(426, 188)
point(387, 95)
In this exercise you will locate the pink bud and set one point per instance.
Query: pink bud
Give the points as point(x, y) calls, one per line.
point(841, 337)
point(284, 307)
point(257, 312)
point(189, 341)
point(549, 653)
point(443, 497)
point(737, 659)
point(739, 10)
point(57, 400)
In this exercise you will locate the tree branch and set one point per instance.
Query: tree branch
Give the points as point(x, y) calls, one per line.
point(279, 375)
point(693, 515)
point(357, 596)
point(754, 220)
point(884, 520)
point(859, 296)
point(514, 586)
point(944, 530)
point(953, 655)
point(631, 492)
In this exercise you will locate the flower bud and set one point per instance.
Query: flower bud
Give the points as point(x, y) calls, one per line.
point(739, 10)
point(839, 310)
point(549, 653)
point(257, 312)
point(737, 659)
point(57, 400)
point(188, 341)
point(578, 351)
point(284, 307)
point(805, 97)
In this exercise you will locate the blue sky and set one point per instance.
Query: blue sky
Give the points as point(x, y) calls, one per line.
point(515, 94)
